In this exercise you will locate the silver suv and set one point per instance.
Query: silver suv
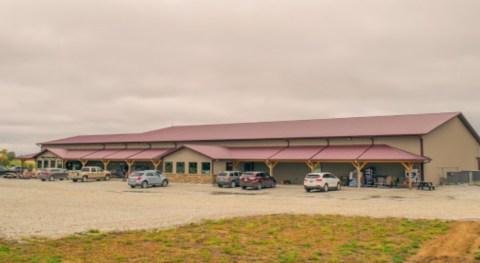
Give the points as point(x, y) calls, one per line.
point(147, 178)
point(230, 178)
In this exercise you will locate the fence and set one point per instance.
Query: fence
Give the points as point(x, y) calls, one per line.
point(463, 177)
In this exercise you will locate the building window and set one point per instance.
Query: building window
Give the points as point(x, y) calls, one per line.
point(168, 167)
point(45, 163)
point(39, 164)
point(205, 168)
point(180, 167)
point(192, 168)
point(229, 166)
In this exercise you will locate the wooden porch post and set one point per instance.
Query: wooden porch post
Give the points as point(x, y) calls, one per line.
point(105, 164)
point(84, 162)
point(312, 165)
point(129, 163)
point(359, 167)
point(156, 163)
point(409, 168)
point(270, 166)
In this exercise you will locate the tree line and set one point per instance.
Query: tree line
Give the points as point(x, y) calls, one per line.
point(6, 157)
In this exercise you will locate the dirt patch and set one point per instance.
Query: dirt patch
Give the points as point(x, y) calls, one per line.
point(459, 244)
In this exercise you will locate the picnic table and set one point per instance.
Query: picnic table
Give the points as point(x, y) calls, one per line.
point(423, 184)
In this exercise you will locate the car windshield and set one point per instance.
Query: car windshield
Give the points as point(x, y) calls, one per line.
point(85, 170)
point(313, 176)
point(249, 174)
point(222, 174)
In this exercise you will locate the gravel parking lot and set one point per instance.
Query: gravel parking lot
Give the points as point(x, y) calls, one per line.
point(52, 209)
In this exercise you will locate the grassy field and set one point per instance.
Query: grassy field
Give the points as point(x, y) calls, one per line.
point(276, 238)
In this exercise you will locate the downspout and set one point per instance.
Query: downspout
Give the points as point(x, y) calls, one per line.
point(422, 165)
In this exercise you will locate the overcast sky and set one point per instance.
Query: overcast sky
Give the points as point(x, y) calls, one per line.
point(93, 67)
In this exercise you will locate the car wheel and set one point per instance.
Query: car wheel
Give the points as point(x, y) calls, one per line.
point(74, 180)
point(164, 183)
point(307, 190)
point(274, 184)
point(84, 179)
point(132, 186)
point(144, 184)
point(259, 186)
point(233, 184)
point(244, 187)
point(51, 178)
point(107, 177)
point(325, 188)
point(219, 185)
point(43, 180)
point(339, 187)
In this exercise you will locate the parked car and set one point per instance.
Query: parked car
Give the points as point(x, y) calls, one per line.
point(147, 178)
point(257, 180)
point(3, 170)
point(26, 174)
point(17, 169)
point(321, 181)
point(230, 178)
point(88, 173)
point(11, 175)
point(52, 174)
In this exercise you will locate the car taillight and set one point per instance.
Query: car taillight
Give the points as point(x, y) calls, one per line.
point(139, 178)
point(305, 180)
point(319, 179)
point(228, 178)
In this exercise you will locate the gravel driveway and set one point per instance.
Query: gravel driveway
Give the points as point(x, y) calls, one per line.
point(52, 209)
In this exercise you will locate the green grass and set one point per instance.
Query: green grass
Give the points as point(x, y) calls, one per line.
point(275, 238)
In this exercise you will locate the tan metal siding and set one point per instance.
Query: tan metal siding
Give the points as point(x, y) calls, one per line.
point(186, 155)
point(451, 147)
point(75, 146)
point(281, 143)
point(351, 141)
point(219, 166)
point(406, 143)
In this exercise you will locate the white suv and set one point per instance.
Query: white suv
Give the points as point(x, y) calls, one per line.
point(321, 181)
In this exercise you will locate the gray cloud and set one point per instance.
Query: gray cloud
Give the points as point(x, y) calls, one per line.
point(88, 67)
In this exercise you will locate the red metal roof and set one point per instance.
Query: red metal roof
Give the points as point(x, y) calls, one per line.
point(297, 153)
point(71, 154)
point(102, 154)
point(213, 152)
point(337, 153)
point(125, 154)
point(150, 154)
point(254, 153)
point(341, 153)
point(228, 153)
point(399, 125)
point(388, 153)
